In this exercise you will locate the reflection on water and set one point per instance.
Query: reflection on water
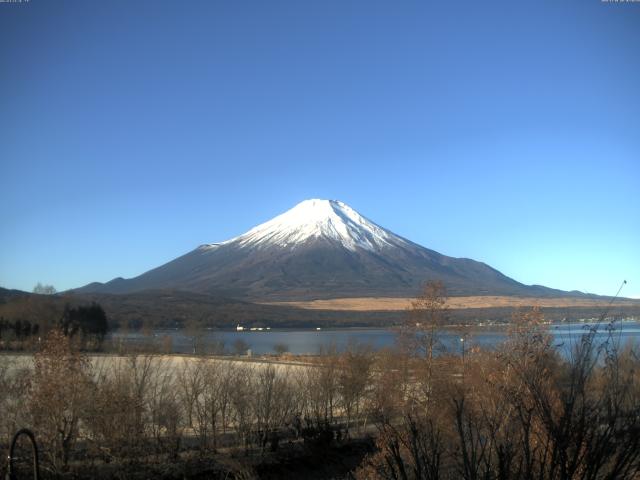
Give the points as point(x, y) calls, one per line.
point(311, 341)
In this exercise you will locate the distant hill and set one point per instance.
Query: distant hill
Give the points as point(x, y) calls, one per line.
point(162, 308)
point(320, 249)
point(7, 294)
point(176, 309)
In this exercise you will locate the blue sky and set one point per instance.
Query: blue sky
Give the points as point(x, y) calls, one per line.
point(133, 131)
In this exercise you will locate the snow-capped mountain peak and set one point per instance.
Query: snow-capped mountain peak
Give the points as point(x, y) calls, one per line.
point(318, 249)
point(316, 218)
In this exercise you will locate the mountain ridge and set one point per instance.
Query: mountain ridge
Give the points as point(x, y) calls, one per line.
point(320, 249)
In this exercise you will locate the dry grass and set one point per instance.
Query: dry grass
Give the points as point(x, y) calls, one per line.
point(395, 304)
point(169, 363)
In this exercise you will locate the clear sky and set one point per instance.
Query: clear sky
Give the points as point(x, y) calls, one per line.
point(504, 131)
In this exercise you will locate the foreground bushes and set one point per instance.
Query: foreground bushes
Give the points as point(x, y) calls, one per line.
point(519, 412)
point(153, 409)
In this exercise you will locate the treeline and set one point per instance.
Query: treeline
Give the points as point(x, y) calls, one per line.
point(86, 324)
point(174, 309)
point(169, 309)
point(520, 412)
point(19, 329)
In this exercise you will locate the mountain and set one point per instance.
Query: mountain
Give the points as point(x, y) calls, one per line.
point(7, 294)
point(319, 249)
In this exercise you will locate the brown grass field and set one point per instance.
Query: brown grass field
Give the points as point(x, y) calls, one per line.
point(364, 304)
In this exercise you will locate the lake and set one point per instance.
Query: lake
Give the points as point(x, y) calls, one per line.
point(311, 341)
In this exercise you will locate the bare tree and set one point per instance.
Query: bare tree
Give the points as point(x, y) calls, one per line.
point(191, 384)
point(15, 383)
point(205, 392)
point(241, 392)
point(61, 381)
point(193, 330)
point(240, 347)
point(390, 385)
point(280, 348)
point(215, 398)
point(273, 404)
point(353, 378)
point(44, 289)
point(522, 412)
point(319, 386)
point(420, 338)
point(425, 318)
point(165, 412)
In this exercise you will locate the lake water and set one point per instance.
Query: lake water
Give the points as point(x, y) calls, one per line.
point(311, 341)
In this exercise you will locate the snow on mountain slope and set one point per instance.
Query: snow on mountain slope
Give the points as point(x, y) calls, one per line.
point(319, 249)
point(315, 218)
